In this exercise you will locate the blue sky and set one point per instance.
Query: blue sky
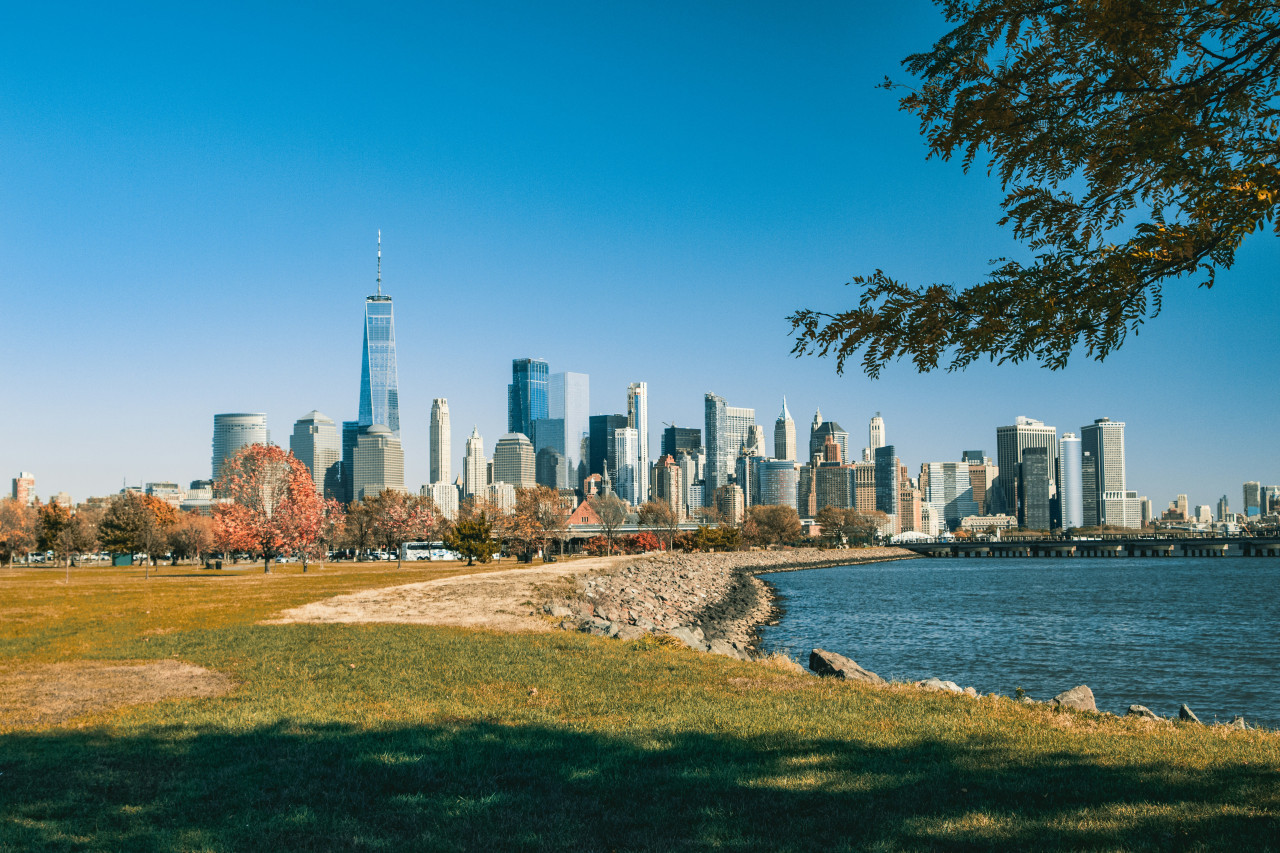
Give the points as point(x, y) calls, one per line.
point(189, 197)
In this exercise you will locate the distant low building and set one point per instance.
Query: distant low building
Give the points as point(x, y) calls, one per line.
point(979, 523)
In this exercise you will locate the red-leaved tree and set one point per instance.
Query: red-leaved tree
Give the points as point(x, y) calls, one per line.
point(273, 507)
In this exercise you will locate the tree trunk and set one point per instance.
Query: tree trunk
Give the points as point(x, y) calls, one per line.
point(266, 564)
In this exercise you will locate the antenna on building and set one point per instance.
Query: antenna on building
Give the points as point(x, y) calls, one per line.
point(379, 261)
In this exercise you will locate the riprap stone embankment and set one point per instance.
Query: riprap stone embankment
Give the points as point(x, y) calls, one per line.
point(711, 602)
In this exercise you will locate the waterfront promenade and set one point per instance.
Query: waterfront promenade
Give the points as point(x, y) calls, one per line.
point(1101, 547)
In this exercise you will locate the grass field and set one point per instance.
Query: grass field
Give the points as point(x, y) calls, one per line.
point(394, 737)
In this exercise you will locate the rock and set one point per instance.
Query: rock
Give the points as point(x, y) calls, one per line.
point(1185, 714)
point(970, 692)
point(691, 638)
point(829, 663)
point(631, 632)
point(558, 611)
point(939, 684)
point(1026, 700)
point(1077, 699)
point(1238, 723)
point(1141, 711)
point(724, 647)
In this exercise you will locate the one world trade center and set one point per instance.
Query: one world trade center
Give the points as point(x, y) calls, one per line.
point(379, 390)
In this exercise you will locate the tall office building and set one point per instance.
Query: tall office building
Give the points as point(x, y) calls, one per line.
point(875, 433)
point(569, 400)
point(638, 420)
point(551, 469)
point(784, 434)
point(1224, 508)
point(1103, 442)
point(235, 430)
point(441, 441)
point(379, 387)
point(668, 485)
point(315, 442)
point(821, 431)
point(888, 482)
point(527, 395)
point(514, 461)
point(1268, 500)
point(1035, 483)
point(627, 464)
point(475, 469)
point(1252, 498)
point(727, 430)
point(1011, 442)
point(981, 476)
point(24, 488)
point(350, 432)
point(777, 482)
point(600, 446)
point(379, 462)
point(445, 498)
point(676, 439)
point(947, 488)
point(1071, 486)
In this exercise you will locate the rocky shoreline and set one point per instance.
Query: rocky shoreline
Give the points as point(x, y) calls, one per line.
point(709, 602)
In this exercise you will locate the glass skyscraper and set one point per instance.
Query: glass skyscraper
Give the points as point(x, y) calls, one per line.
point(379, 388)
point(527, 395)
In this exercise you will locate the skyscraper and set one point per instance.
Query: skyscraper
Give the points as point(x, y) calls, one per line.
point(947, 488)
point(569, 400)
point(602, 428)
point(676, 439)
point(828, 429)
point(514, 461)
point(526, 395)
point(233, 431)
point(350, 432)
point(551, 469)
point(875, 433)
point(627, 462)
point(315, 442)
point(888, 480)
point(1071, 488)
point(1011, 442)
point(1252, 498)
point(379, 387)
point(379, 462)
point(638, 419)
point(727, 430)
point(1103, 440)
point(1034, 486)
point(24, 488)
point(441, 441)
point(777, 482)
point(1224, 508)
point(475, 474)
point(784, 434)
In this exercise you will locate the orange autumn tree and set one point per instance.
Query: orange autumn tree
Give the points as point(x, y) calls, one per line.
point(271, 503)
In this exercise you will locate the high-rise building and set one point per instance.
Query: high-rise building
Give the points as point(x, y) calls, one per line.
point(692, 463)
point(1224, 508)
point(676, 439)
point(600, 447)
point(729, 503)
point(527, 395)
point(820, 432)
point(1252, 498)
point(875, 433)
point(445, 497)
point(475, 469)
point(1071, 486)
point(727, 430)
point(441, 442)
point(379, 462)
point(981, 476)
point(350, 432)
point(946, 487)
point(1122, 509)
point(1148, 511)
point(888, 482)
point(1035, 488)
point(501, 497)
point(784, 434)
point(514, 461)
point(235, 430)
point(24, 488)
point(638, 420)
point(1183, 505)
point(668, 486)
point(315, 442)
point(974, 457)
point(379, 386)
point(1268, 500)
point(627, 462)
point(1011, 442)
point(569, 400)
point(864, 486)
point(777, 482)
point(551, 469)
point(1103, 442)
point(755, 441)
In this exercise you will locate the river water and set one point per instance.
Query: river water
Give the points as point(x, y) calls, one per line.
point(1145, 631)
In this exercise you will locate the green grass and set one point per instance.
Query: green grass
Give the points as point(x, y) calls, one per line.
point(436, 739)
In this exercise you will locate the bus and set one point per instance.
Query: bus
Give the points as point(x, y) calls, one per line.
point(427, 551)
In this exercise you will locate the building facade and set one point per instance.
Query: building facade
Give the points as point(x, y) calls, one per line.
point(379, 462)
point(1103, 441)
point(727, 430)
point(820, 432)
point(527, 395)
point(514, 461)
point(475, 474)
point(316, 443)
point(676, 439)
point(777, 482)
point(569, 400)
point(234, 430)
point(784, 435)
point(441, 442)
point(445, 497)
point(947, 488)
point(888, 482)
point(551, 469)
point(24, 487)
point(875, 433)
point(1011, 442)
point(1071, 485)
point(1035, 488)
point(638, 420)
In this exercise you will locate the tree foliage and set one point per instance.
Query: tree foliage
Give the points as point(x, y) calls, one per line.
point(272, 506)
point(191, 537)
point(130, 525)
point(19, 528)
point(662, 518)
point(472, 538)
point(612, 512)
point(1137, 144)
point(851, 526)
point(769, 524)
point(399, 517)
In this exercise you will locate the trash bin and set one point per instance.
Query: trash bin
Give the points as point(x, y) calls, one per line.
point(217, 564)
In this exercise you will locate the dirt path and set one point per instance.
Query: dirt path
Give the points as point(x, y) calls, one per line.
point(496, 600)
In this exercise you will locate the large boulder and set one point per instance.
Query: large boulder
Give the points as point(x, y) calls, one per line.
point(1141, 711)
point(1077, 699)
point(726, 648)
point(939, 684)
point(829, 663)
point(691, 637)
point(1185, 714)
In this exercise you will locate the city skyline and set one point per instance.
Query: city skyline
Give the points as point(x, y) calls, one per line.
point(227, 276)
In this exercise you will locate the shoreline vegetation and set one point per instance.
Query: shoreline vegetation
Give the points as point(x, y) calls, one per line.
point(343, 735)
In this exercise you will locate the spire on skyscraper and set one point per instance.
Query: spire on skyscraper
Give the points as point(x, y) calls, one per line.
point(379, 261)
